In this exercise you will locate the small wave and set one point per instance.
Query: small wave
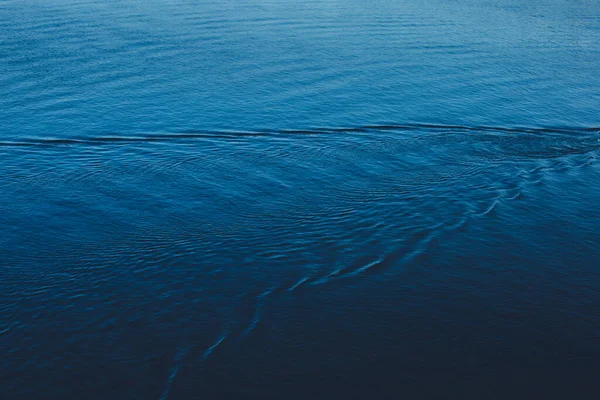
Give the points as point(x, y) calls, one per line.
point(254, 323)
point(233, 134)
point(490, 209)
point(298, 284)
point(258, 310)
point(518, 195)
point(349, 271)
point(7, 329)
point(366, 267)
point(214, 346)
point(414, 247)
point(178, 359)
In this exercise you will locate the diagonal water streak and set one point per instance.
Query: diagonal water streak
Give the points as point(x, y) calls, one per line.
point(171, 378)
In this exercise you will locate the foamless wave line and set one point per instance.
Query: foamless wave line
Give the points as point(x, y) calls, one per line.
point(169, 384)
point(208, 134)
point(214, 346)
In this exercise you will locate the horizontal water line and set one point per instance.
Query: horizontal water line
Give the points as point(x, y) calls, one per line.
point(227, 134)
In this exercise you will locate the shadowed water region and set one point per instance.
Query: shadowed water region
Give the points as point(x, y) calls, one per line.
point(266, 200)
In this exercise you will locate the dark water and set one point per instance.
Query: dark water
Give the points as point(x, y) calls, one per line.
point(299, 199)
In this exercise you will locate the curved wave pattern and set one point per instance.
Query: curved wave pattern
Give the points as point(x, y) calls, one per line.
point(232, 224)
point(142, 258)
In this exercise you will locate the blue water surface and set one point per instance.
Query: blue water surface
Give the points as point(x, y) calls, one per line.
point(268, 199)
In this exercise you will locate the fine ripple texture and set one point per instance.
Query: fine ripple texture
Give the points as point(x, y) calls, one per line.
point(209, 238)
point(299, 199)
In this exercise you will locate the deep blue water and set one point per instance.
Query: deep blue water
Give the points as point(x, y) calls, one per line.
point(299, 199)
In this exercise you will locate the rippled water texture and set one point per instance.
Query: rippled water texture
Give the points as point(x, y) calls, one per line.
point(299, 199)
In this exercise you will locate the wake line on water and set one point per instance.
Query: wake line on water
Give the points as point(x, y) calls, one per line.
point(212, 348)
point(171, 378)
point(410, 253)
point(413, 252)
point(226, 134)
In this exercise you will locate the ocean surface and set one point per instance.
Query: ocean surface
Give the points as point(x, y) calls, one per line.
point(268, 199)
